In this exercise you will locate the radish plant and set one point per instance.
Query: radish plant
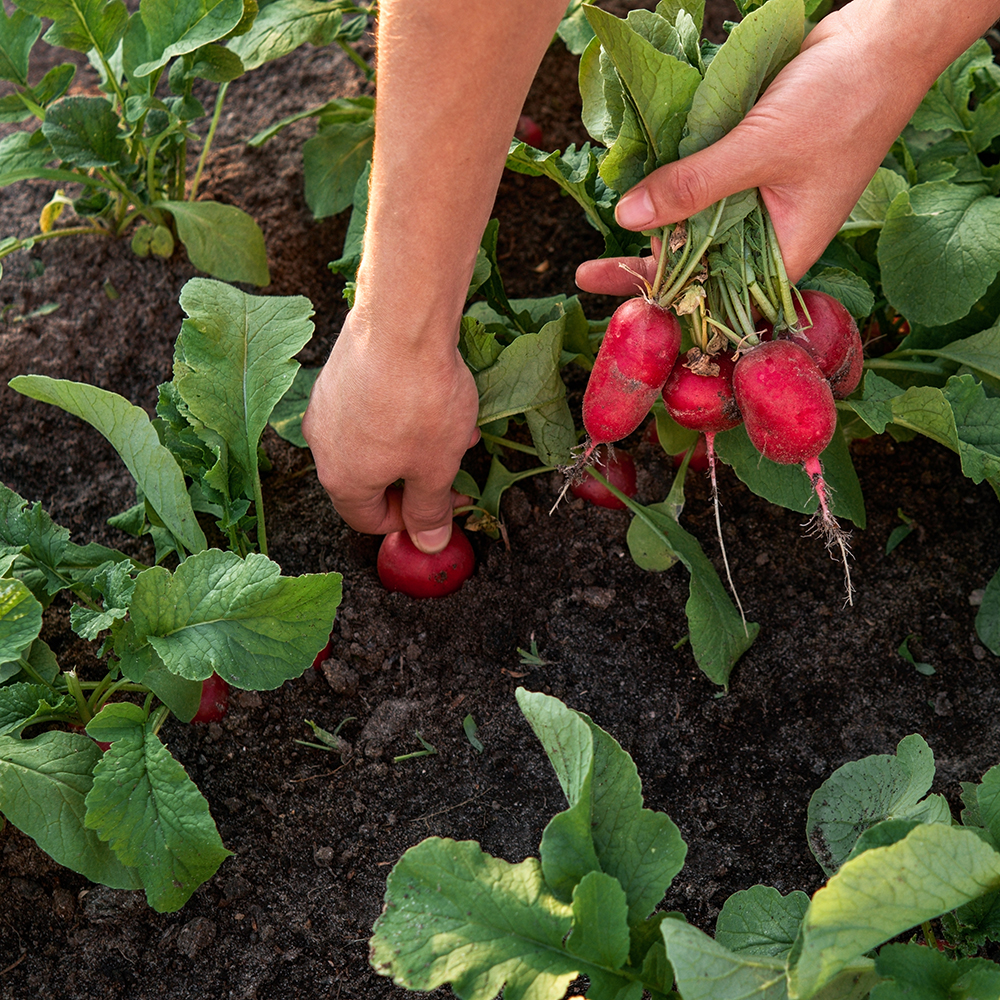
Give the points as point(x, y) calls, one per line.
point(124, 153)
point(175, 635)
point(588, 905)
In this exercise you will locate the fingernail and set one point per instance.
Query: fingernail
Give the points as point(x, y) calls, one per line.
point(433, 540)
point(635, 210)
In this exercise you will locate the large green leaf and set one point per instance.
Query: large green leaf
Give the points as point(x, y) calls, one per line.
point(286, 417)
point(20, 619)
point(129, 430)
point(84, 131)
point(749, 59)
point(144, 805)
point(22, 155)
point(946, 104)
point(23, 704)
point(886, 891)
point(864, 792)
point(18, 34)
point(233, 360)
point(176, 27)
point(43, 783)
point(939, 250)
point(456, 915)
point(660, 86)
point(760, 921)
point(789, 485)
point(82, 25)
point(606, 827)
point(239, 618)
point(332, 162)
point(912, 972)
point(719, 635)
point(285, 25)
point(221, 240)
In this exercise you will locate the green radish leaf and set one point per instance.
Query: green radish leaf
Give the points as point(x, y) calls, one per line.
point(221, 240)
point(850, 289)
point(347, 264)
point(719, 636)
point(760, 921)
point(18, 33)
point(758, 47)
point(886, 891)
point(659, 85)
point(82, 25)
point(946, 104)
point(980, 352)
point(22, 156)
point(84, 131)
point(788, 485)
point(600, 921)
point(939, 250)
point(864, 792)
point(43, 783)
point(130, 432)
point(706, 970)
point(23, 704)
point(873, 205)
point(456, 915)
point(553, 432)
point(988, 616)
point(606, 827)
point(177, 28)
point(286, 417)
point(962, 417)
point(333, 161)
point(284, 25)
point(917, 973)
point(574, 29)
point(237, 617)
point(149, 811)
point(500, 479)
point(20, 619)
point(233, 360)
point(216, 64)
point(522, 377)
point(337, 111)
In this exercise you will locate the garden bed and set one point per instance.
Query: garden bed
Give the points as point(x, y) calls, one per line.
point(289, 915)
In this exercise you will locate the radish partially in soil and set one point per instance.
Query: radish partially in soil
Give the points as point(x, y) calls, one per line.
point(618, 468)
point(636, 356)
point(214, 700)
point(829, 334)
point(528, 131)
point(403, 567)
point(790, 417)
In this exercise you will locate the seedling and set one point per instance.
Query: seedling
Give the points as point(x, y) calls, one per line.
point(904, 651)
point(471, 731)
point(428, 750)
point(531, 657)
point(330, 742)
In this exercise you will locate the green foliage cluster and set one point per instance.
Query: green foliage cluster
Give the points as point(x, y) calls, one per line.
point(132, 818)
point(128, 148)
point(894, 857)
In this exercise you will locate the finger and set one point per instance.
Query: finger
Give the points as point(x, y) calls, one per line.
point(371, 514)
point(615, 275)
point(685, 187)
point(427, 513)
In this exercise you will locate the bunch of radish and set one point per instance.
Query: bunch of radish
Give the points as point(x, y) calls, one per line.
point(781, 383)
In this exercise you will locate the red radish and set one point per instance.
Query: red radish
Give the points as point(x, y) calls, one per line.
point(701, 398)
point(638, 351)
point(791, 417)
point(830, 335)
point(618, 468)
point(81, 729)
point(214, 700)
point(528, 131)
point(323, 655)
point(786, 403)
point(403, 567)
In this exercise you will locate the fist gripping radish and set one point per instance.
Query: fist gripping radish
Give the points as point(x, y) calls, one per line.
point(790, 417)
point(636, 356)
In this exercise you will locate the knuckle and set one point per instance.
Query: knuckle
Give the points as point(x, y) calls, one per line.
point(688, 188)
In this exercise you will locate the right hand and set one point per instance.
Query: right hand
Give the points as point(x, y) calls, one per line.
point(378, 415)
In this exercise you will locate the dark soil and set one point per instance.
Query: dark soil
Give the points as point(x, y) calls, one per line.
point(289, 915)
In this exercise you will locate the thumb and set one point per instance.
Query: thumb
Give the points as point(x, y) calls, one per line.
point(685, 187)
point(427, 515)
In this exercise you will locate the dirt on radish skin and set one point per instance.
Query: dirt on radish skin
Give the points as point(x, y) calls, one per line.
point(635, 358)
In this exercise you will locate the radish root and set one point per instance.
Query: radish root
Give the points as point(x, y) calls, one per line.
point(826, 526)
point(710, 448)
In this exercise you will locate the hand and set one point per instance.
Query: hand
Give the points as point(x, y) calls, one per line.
point(810, 144)
point(377, 416)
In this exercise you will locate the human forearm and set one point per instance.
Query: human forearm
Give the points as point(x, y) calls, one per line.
point(452, 79)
